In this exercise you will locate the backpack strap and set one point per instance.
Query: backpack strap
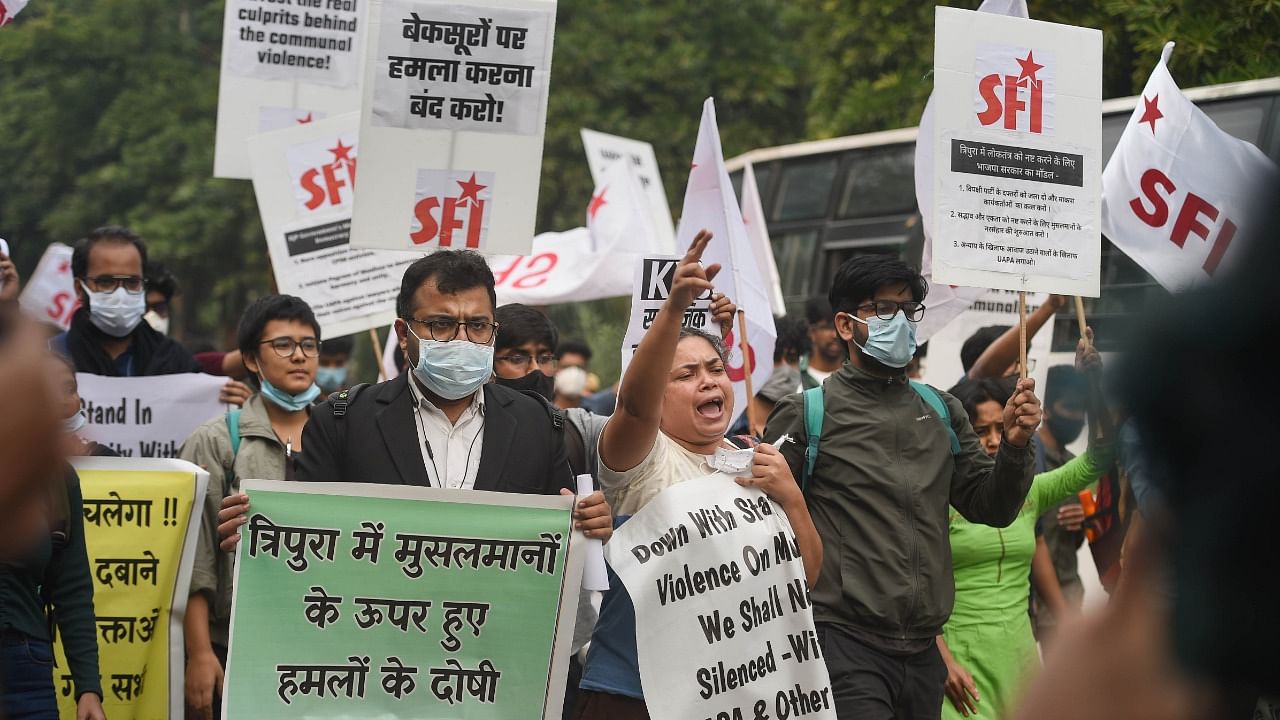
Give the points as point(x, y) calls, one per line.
point(814, 412)
point(233, 431)
point(935, 401)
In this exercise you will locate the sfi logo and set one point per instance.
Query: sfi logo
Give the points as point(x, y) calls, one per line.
point(324, 173)
point(452, 208)
point(1015, 89)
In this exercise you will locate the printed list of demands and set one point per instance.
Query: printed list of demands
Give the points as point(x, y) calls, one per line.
point(1007, 216)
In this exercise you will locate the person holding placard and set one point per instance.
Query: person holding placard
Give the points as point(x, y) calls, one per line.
point(881, 459)
point(674, 406)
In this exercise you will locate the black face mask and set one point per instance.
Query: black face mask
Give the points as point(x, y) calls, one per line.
point(535, 381)
point(1064, 430)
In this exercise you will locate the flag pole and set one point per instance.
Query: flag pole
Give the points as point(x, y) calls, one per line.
point(746, 365)
point(1022, 334)
point(1080, 319)
point(377, 354)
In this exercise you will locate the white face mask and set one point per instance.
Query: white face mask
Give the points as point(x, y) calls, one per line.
point(75, 422)
point(455, 369)
point(732, 462)
point(157, 323)
point(116, 313)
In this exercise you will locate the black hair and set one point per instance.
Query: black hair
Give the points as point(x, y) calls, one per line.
point(159, 278)
point(264, 310)
point(574, 346)
point(518, 324)
point(108, 233)
point(859, 277)
point(453, 270)
point(973, 392)
point(978, 342)
point(716, 342)
point(1064, 380)
point(818, 309)
point(342, 344)
point(792, 337)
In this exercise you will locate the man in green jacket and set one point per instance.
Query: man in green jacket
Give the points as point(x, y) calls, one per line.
point(888, 464)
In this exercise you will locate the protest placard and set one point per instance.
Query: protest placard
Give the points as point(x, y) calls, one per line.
point(451, 125)
point(362, 600)
point(284, 64)
point(304, 178)
point(1017, 153)
point(603, 150)
point(50, 293)
point(723, 625)
point(562, 267)
point(146, 417)
point(140, 533)
point(650, 287)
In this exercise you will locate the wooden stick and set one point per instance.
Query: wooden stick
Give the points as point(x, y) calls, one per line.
point(1022, 334)
point(1080, 319)
point(746, 365)
point(377, 353)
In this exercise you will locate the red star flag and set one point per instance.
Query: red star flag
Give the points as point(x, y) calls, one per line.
point(709, 203)
point(618, 215)
point(758, 232)
point(1178, 193)
point(945, 302)
point(9, 8)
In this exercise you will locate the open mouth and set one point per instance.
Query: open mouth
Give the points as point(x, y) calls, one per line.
point(711, 409)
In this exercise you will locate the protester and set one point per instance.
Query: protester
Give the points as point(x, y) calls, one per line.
point(792, 345)
point(162, 286)
point(571, 386)
point(573, 353)
point(890, 457)
point(987, 643)
point(10, 281)
point(993, 350)
point(335, 357)
point(674, 407)
point(73, 417)
point(827, 351)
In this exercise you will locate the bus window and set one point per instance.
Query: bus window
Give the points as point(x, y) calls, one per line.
point(804, 189)
point(1239, 118)
point(879, 182)
point(794, 252)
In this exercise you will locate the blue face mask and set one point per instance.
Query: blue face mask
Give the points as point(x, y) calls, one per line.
point(331, 378)
point(455, 369)
point(891, 342)
point(292, 403)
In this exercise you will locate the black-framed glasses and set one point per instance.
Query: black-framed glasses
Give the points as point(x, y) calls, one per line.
point(284, 346)
point(446, 329)
point(108, 283)
point(886, 309)
point(521, 359)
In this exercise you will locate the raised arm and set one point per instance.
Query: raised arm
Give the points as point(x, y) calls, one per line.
point(999, 355)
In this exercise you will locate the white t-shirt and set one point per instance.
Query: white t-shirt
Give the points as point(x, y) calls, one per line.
point(819, 375)
point(666, 464)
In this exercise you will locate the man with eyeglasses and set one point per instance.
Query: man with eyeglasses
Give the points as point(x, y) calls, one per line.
point(891, 460)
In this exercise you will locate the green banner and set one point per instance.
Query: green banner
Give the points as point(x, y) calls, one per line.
point(357, 600)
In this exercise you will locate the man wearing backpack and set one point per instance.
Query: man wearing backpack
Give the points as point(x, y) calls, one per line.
point(881, 459)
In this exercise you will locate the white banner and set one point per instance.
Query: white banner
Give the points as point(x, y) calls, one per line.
point(650, 288)
point(50, 293)
point(618, 215)
point(1178, 190)
point(603, 150)
point(451, 124)
point(723, 625)
point(304, 178)
point(1017, 153)
point(147, 416)
point(562, 268)
point(284, 64)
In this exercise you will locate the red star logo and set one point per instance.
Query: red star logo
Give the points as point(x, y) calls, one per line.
point(1029, 67)
point(470, 189)
point(64, 266)
point(597, 202)
point(693, 166)
point(1151, 111)
point(341, 153)
point(305, 120)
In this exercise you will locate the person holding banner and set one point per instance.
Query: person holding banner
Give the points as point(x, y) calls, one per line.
point(10, 283)
point(674, 406)
point(279, 339)
point(881, 459)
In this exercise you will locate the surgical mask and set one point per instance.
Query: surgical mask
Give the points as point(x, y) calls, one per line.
point(891, 342)
point(1065, 430)
point(453, 370)
point(535, 381)
point(331, 378)
point(282, 399)
point(74, 423)
point(116, 313)
point(158, 322)
point(732, 462)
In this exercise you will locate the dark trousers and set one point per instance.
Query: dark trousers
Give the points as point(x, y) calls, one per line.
point(26, 671)
point(594, 705)
point(571, 688)
point(870, 684)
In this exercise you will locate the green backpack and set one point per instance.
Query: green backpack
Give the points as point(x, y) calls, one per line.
point(815, 411)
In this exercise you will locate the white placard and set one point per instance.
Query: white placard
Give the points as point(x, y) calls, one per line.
point(147, 416)
point(284, 64)
point(455, 102)
point(1017, 161)
point(50, 292)
point(603, 150)
point(650, 288)
point(304, 178)
point(723, 624)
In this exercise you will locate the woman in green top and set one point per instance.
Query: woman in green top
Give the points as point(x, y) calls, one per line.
point(988, 636)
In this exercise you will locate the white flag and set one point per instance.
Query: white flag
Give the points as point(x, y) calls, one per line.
point(50, 293)
point(1178, 192)
point(561, 268)
point(709, 203)
point(10, 8)
point(758, 232)
point(618, 215)
point(945, 302)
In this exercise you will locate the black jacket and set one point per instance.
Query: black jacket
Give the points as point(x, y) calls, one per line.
point(376, 441)
point(153, 353)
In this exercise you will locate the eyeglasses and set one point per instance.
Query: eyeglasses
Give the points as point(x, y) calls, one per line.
point(446, 329)
point(886, 309)
point(521, 360)
point(108, 283)
point(284, 346)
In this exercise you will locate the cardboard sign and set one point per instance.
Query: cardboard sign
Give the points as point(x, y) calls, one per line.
point(650, 289)
point(146, 416)
point(604, 150)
